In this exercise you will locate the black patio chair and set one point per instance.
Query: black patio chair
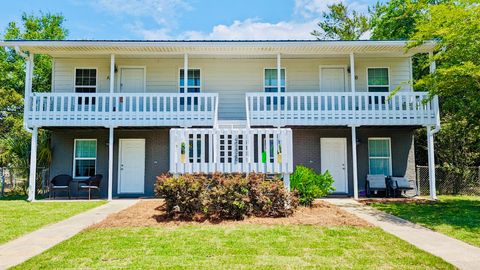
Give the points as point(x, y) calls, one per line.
point(376, 183)
point(92, 183)
point(60, 182)
point(400, 185)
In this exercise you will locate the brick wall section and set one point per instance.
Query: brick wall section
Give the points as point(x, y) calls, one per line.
point(306, 149)
point(156, 152)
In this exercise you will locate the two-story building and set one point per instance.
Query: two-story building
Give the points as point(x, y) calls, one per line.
point(131, 110)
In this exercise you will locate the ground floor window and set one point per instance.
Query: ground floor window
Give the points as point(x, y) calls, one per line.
point(379, 156)
point(85, 157)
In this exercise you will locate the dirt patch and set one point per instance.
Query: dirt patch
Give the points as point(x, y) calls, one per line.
point(396, 200)
point(148, 213)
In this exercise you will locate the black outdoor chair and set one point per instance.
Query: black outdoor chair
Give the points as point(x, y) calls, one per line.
point(92, 183)
point(59, 183)
point(376, 183)
point(400, 185)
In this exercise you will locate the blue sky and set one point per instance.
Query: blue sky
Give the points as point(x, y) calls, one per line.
point(182, 19)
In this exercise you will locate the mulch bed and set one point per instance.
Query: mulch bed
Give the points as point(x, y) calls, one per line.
point(148, 213)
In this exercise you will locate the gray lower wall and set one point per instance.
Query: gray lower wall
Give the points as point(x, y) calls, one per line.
point(306, 149)
point(156, 151)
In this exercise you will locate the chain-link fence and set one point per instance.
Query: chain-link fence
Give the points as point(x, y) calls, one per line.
point(449, 182)
point(16, 180)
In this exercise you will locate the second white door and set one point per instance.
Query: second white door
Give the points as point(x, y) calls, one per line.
point(332, 79)
point(132, 80)
point(131, 163)
point(334, 159)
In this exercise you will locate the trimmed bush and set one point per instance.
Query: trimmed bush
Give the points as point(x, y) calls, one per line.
point(224, 196)
point(310, 185)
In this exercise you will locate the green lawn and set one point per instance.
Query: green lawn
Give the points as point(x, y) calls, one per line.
point(18, 217)
point(456, 216)
point(234, 247)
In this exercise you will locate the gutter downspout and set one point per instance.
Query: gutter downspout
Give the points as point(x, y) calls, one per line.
point(27, 71)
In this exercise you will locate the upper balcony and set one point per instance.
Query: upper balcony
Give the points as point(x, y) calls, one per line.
point(121, 109)
point(341, 108)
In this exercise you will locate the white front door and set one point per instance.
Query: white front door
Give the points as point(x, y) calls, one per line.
point(131, 166)
point(334, 159)
point(332, 79)
point(132, 80)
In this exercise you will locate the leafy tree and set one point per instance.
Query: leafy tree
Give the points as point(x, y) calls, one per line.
point(342, 24)
point(46, 26)
point(14, 139)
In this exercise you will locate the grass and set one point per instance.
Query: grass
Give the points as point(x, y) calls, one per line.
point(18, 217)
point(456, 216)
point(234, 247)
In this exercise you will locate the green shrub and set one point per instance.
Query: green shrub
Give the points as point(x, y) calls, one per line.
point(224, 196)
point(310, 185)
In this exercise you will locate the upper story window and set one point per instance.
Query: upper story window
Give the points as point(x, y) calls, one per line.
point(85, 158)
point(378, 79)
point(379, 156)
point(85, 80)
point(194, 81)
point(270, 81)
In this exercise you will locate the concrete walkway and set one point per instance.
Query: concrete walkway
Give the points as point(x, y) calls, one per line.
point(34, 243)
point(456, 252)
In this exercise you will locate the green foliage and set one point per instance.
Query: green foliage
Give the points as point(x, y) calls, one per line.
point(340, 23)
point(224, 196)
point(311, 185)
point(45, 26)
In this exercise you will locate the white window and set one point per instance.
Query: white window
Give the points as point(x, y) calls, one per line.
point(84, 158)
point(194, 81)
point(379, 156)
point(270, 80)
point(378, 79)
point(85, 80)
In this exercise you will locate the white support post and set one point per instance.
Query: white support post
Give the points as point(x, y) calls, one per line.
point(352, 72)
point(29, 65)
point(112, 73)
point(431, 163)
point(185, 73)
point(354, 163)
point(33, 165)
point(279, 73)
point(433, 65)
point(286, 181)
point(110, 163)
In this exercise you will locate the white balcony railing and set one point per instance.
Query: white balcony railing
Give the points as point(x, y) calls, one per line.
point(121, 109)
point(231, 150)
point(341, 108)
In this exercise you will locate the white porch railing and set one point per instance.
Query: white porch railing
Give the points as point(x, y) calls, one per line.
point(231, 150)
point(341, 108)
point(121, 109)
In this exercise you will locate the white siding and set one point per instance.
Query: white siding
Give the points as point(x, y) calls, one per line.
point(231, 78)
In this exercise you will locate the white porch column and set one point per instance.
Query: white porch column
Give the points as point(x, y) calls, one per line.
point(279, 73)
point(352, 73)
point(354, 163)
point(286, 181)
point(433, 65)
point(185, 73)
point(354, 131)
point(431, 163)
point(29, 65)
point(33, 165)
point(110, 163)
point(112, 73)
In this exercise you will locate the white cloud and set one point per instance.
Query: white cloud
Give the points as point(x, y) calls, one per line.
point(164, 12)
point(255, 29)
point(315, 8)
